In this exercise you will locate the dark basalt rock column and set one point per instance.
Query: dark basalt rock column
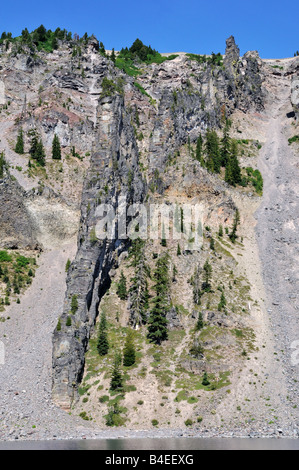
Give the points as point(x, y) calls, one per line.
point(113, 172)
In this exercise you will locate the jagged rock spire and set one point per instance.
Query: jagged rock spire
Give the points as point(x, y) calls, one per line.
point(232, 52)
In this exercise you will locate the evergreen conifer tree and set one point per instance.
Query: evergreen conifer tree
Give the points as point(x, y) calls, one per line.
point(205, 380)
point(212, 244)
point(195, 282)
point(36, 148)
point(222, 302)
point(174, 273)
point(2, 165)
point(233, 234)
point(225, 144)
point(122, 287)
point(102, 49)
point(103, 344)
point(199, 148)
point(116, 382)
point(56, 149)
point(138, 292)
point(213, 162)
point(20, 142)
point(199, 324)
point(233, 174)
point(207, 277)
point(157, 323)
point(40, 153)
point(25, 35)
point(113, 56)
point(178, 250)
point(54, 43)
point(129, 350)
point(33, 142)
point(163, 240)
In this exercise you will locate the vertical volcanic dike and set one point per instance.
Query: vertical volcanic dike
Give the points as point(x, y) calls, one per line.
point(114, 171)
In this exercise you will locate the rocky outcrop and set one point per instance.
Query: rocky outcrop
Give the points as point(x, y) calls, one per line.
point(18, 228)
point(113, 173)
point(295, 95)
point(243, 78)
point(193, 96)
point(34, 219)
point(232, 54)
point(184, 98)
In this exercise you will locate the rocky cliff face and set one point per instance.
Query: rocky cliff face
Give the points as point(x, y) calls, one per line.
point(18, 228)
point(134, 136)
point(129, 139)
point(295, 95)
point(131, 136)
point(113, 172)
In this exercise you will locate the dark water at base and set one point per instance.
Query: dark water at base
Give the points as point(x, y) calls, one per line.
point(183, 444)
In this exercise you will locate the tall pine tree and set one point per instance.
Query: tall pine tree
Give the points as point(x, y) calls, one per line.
point(225, 144)
point(157, 322)
point(129, 350)
point(233, 174)
point(213, 161)
point(122, 287)
point(56, 148)
point(36, 148)
point(40, 155)
point(199, 147)
point(195, 282)
point(20, 142)
point(233, 234)
point(138, 292)
point(116, 382)
point(206, 286)
point(103, 344)
point(2, 164)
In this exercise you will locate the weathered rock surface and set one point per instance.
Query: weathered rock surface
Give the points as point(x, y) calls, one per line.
point(132, 138)
point(115, 157)
point(18, 228)
point(295, 95)
point(191, 98)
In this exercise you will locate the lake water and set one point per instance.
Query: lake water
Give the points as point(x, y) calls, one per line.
point(182, 444)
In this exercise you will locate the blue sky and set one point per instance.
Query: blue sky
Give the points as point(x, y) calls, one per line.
point(271, 27)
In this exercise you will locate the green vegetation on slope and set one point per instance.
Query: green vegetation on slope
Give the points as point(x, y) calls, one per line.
point(16, 274)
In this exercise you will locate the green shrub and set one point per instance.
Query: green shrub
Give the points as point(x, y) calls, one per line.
point(84, 416)
point(67, 266)
point(113, 417)
point(197, 349)
point(192, 400)
point(22, 261)
point(5, 257)
point(188, 422)
point(74, 304)
point(104, 399)
point(293, 139)
point(256, 179)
